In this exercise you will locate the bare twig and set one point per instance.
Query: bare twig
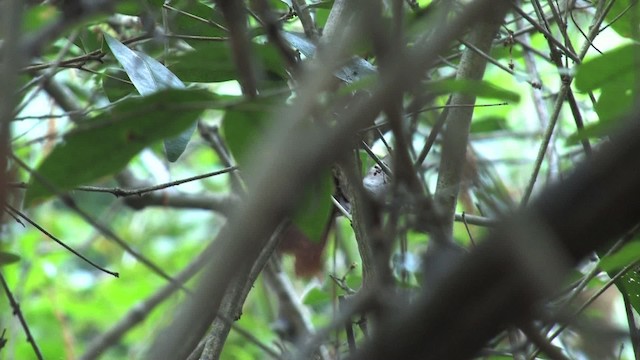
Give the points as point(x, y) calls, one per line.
point(12, 59)
point(68, 201)
point(61, 243)
point(235, 16)
point(562, 93)
point(16, 311)
point(131, 192)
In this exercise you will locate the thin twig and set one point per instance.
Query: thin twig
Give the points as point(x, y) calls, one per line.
point(564, 89)
point(70, 203)
point(548, 35)
point(130, 192)
point(69, 248)
point(23, 322)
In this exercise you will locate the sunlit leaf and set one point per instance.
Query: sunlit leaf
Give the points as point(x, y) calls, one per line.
point(623, 257)
point(148, 76)
point(616, 83)
point(608, 67)
point(105, 144)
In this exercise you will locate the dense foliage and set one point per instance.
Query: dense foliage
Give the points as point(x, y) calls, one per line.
point(319, 179)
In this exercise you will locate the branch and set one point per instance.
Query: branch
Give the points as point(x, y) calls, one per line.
point(235, 16)
point(562, 226)
point(104, 230)
point(235, 297)
point(302, 10)
point(456, 133)
point(15, 211)
point(12, 58)
point(18, 313)
point(316, 147)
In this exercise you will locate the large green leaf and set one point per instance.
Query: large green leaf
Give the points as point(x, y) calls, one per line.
point(214, 62)
point(602, 70)
point(105, 144)
point(242, 126)
point(211, 63)
point(196, 19)
point(148, 76)
point(314, 210)
point(616, 83)
point(623, 17)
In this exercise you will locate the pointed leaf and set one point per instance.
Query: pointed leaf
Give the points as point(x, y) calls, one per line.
point(148, 76)
point(7, 258)
point(146, 73)
point(105, 144)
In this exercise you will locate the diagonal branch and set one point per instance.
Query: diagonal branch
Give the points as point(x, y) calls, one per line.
point(316, 148)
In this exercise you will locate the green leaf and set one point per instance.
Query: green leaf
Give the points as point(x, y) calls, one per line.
point(616, 82)
point(616, 99)
point(105, 144)
point(590, 131)
point(8, 258)
point(242, 127)
point(212, 63)
point(628, 283)
point(478, 88)
point(129, 7)
point(314, 210)
point(148, 76)
point(196, 19)
point(488, 124)
point(607, 68)
point(623, 257)
point(623, 17)
point(37, 17)
point(116, 84)
point(316, 297)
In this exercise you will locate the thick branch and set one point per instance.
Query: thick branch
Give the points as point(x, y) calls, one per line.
point(456, 133)
point(278, 175)
point(480, 298)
